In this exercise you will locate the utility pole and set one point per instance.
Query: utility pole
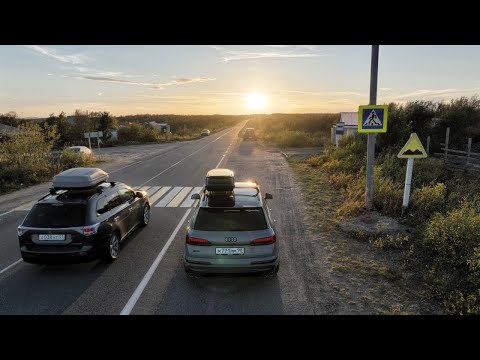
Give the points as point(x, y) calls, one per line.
point(371, 136)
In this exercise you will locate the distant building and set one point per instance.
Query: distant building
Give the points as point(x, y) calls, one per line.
point(346, 125)
point(163, 127)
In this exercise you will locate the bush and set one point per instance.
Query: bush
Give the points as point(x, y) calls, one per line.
point(293, 138)
point(454, 237)
point(136, 132)
point(69, 159)
point(388, 195)
point(428, 200)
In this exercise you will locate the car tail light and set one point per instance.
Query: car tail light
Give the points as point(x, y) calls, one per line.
point(197, 241)
point(20, 231)
point(264, 241)
point(90, 229)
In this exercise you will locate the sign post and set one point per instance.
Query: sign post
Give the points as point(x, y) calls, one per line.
point(413, 149)
point(95, 134)
point(372, 123)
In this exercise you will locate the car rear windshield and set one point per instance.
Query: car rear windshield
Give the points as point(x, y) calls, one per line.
point(56, 216)
point(248, 219)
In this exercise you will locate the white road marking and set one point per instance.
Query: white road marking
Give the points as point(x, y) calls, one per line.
point(223, 157)
point(178, 162)
point(189, 201)
point(152, 190)
point(12, 265)
point(179, 198)
point(6, 213)
point(169, 196)
point(159, 194)
point(143, 284)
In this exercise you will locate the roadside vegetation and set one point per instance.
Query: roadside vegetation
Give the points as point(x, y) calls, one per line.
point(293, 130)
point(443, 250)
point(136, 128)
point(26, 158)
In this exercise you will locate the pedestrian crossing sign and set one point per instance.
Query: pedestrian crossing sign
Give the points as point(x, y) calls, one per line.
point(372, 118)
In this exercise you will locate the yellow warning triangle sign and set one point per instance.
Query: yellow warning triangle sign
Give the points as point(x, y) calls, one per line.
point(413, 149)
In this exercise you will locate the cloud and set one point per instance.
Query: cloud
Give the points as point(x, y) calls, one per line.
point(159, 86)
point(235, 53)
point(53, 53)
point(438, 93)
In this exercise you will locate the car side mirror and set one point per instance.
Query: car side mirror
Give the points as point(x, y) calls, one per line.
point(268, 196)
point(195, 196)
point(139, 194)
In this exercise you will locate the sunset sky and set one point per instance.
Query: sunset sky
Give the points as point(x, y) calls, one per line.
point(37, 80)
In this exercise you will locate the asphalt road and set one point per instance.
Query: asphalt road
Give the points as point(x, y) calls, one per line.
point(148, 276)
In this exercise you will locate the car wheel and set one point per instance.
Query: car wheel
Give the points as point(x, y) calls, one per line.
point(113, 247)
point(145, 216)
point(277, 268)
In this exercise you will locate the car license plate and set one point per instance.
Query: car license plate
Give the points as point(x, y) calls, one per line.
point(51, 237)
point(229, 251)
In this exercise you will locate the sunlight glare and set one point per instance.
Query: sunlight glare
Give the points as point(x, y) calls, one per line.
point(256, 101)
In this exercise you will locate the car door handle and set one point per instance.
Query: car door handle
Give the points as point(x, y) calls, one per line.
point(116, 218)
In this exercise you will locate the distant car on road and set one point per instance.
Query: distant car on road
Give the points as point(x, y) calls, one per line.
point(205, 132)
point(231, 231)
point(83, 217)
point(249, 134)
point(82, 150)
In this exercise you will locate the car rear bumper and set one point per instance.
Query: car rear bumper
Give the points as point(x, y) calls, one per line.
point(230, 266)
point(84, 254)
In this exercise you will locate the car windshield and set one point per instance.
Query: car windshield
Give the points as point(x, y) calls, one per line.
point(246, 219)
point(75, 149)
point(56, 216)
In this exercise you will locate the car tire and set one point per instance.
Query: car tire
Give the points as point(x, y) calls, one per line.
point(113, 248)
point(145, 215)
point(277, 268)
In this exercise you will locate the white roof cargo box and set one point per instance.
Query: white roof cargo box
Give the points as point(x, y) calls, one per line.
point(220, 180)
point(79, 178)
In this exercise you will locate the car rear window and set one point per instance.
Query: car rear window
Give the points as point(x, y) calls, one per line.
point(247, 219)
point(56, 216)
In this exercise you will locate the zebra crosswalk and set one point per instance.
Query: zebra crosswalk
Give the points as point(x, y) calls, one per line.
point(171, 196)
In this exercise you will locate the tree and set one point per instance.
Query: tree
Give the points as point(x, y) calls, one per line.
point(10, 118)
point(62, 125)
point(106, 124)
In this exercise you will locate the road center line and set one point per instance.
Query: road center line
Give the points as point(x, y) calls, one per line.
point(178, 162)
point(10, 266)
point(143, 284)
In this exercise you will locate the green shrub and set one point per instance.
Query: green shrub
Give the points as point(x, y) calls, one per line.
point(388, 195)
point(427, 200)
point(69, 159)
point(454, 236)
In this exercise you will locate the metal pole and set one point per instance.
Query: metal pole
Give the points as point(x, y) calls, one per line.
point(447, 136)
point(469, 149)
point(428, 145)
point(371, 136)
point(408, 183)
point(89, 143)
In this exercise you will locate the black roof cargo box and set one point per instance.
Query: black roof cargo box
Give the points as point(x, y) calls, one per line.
point(79, 178)
point(220, 180)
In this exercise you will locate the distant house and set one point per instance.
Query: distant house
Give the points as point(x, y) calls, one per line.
point(6, 130)
point(163, 127)
point(346, 125)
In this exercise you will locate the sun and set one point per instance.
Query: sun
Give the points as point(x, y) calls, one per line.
point(256, 101)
